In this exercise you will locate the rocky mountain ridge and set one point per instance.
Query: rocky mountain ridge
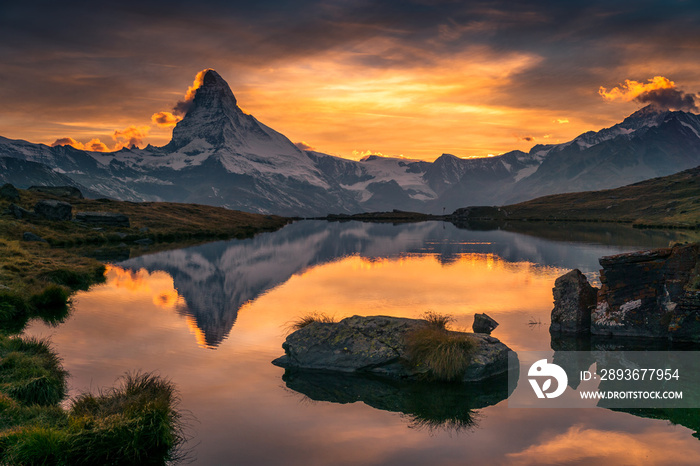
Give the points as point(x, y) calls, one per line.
point(221, 156)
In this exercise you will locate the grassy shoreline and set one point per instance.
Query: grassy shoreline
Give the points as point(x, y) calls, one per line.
point(137, 422)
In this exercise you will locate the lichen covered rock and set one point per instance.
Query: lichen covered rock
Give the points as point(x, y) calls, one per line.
point(378, 345)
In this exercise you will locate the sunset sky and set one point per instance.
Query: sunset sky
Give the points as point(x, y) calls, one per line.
point(414, 78)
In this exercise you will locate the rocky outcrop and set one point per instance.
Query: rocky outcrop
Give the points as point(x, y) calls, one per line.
point(378, 345)
point(111, 219)
point(62, 191)
point(9, 192)
point(484, 324)
point(53, 210)
point(574, 299)
point(646, 294)
point(649, 294)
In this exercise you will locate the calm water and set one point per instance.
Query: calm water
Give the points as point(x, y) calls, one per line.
point(212, 317)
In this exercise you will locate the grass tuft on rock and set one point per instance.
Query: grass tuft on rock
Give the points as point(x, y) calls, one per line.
point(307, 319)
point(445, 355)
point(437, 320)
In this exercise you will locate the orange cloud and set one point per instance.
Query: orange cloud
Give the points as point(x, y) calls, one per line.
point(165, 119)
point(659, 91)
point(130, 137)
point(68, 141)
point(630, 90)
point(94, 145)
point(198, 80)
point(593, 446)
point(183, 106)
point(304, 146)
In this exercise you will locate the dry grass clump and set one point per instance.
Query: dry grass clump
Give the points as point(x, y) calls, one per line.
point(436, 320)
point(445, 355)
point(307, 319)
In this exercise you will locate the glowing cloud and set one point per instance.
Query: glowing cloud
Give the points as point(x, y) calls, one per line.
point(358, 154)
point(659, 91)
point(165, 119)
point(592, 446)
point(304, 146)
point(130, 137)
point(94, 145)
point(181, 108)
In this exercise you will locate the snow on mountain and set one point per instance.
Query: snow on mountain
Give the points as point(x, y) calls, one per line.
point(220, 155)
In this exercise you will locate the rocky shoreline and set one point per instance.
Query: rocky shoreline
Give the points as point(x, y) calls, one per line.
point(647, 294)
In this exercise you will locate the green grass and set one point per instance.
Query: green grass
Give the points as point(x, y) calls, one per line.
point(669, 201)
point(136, 423)
point(444, 355)
point(307, 319)
point(30, 372)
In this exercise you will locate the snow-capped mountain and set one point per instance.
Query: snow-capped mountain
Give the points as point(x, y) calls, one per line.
point(220, 155)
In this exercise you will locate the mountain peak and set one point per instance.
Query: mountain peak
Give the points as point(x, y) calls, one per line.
point(213, 83)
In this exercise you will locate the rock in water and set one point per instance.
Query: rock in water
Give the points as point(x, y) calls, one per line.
point(650, 294)
point(378, 345)
point(483, 324)
point(9, 192)
point(574, 300)
point(54, 210)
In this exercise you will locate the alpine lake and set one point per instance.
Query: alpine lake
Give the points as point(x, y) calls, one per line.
point(212, 318)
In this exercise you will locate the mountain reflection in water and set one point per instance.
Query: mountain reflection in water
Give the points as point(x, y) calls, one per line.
point(165, 311)
point(215, 280)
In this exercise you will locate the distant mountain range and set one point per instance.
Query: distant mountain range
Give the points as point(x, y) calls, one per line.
point(221, 156)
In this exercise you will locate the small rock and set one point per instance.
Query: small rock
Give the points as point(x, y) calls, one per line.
point(143, 229)
point(144, 241)
point(29, 236)
point(18, 212)
point(122, 235)
point(54, 210)
point(483, 324)
point(574, 300)
point(112, 219)
point(63, 191)
point(9, 192)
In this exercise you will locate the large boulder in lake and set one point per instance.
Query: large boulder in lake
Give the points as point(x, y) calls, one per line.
point(111, 219)
point(53, 210)
point(574, 300)
point(381, 345)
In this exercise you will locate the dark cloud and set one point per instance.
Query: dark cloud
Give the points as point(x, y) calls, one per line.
point(61, 60)
point(671, 99)
point(527, 138)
